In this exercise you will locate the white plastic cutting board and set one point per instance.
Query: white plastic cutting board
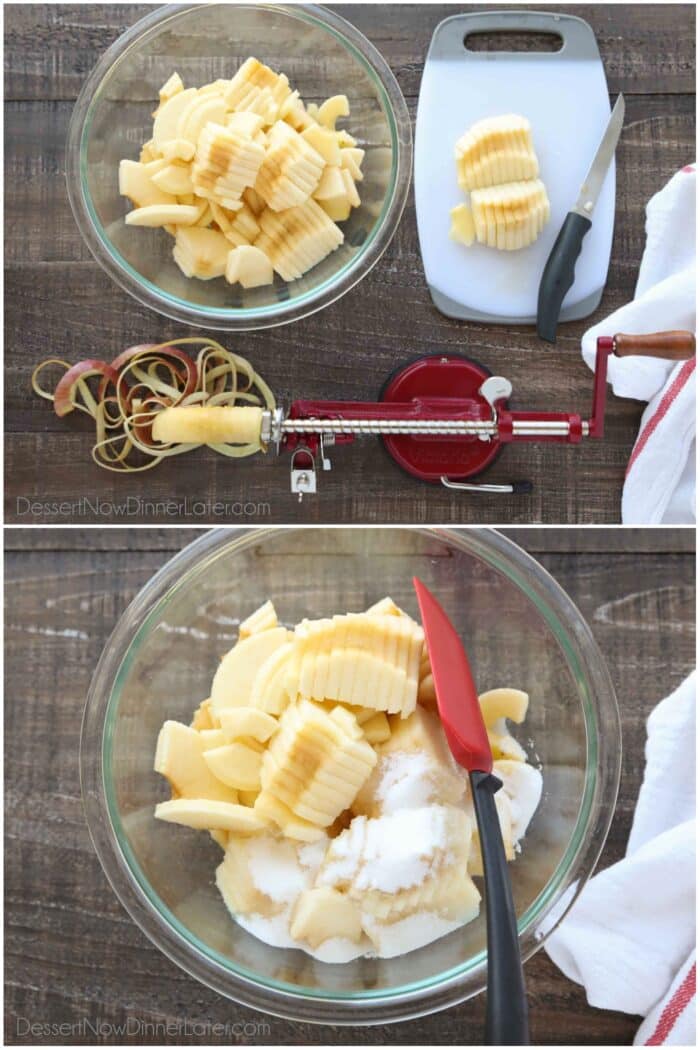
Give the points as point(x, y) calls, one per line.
point(565, 97)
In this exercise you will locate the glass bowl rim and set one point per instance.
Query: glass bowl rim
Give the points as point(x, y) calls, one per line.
point(377, 69)
point(603, 761)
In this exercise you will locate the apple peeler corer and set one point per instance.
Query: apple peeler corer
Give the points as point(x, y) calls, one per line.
point(444, 418)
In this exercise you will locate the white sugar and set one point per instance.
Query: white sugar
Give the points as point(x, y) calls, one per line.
point(405, 781)
point(311, 854)
point(424, 829)
point(275, 869)
point(399, 849)
point(389, 853)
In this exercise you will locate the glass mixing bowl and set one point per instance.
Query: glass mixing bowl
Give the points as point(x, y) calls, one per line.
point(521, 629)
point(323, 55)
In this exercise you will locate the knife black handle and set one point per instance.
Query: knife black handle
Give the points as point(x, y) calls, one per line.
point(506, 998)
point(559, 273)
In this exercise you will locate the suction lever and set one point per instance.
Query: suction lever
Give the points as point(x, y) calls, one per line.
point(516, 488)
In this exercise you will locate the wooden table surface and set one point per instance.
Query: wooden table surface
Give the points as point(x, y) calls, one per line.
point(60, 303)
point(73, 955)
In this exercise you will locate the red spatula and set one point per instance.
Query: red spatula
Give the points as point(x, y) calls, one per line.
point(460, 712)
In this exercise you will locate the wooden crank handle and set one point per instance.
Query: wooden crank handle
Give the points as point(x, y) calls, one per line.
point(673, 346)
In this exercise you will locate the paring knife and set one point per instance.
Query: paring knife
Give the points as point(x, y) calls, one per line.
point(560, 268)
point(460, 713)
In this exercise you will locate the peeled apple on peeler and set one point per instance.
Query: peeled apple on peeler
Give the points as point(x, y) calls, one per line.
point(202, 425)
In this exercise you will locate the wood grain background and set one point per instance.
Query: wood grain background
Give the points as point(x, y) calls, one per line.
point(59, 302)
point(74, 958)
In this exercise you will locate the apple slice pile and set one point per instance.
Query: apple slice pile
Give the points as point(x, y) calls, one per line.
point(246, 178)
point(320, 766)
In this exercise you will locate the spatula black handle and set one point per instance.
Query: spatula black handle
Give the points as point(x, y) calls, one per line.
point(506, 1002)
point(559, 273)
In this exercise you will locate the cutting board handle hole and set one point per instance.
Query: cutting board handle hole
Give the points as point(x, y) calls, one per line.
point(513, 40)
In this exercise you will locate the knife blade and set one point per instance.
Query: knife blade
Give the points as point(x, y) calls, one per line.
point(560, 269)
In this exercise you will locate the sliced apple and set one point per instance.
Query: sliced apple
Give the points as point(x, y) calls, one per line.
point(137, 184)
point(172, 86)
point(337, 208)
point(246, 122)
point(199, 252)
point(261, 620)
point(175, 179)
point(325, 143)
point(168, 117)
point(249, 266)
point(233, 681)
point(522, 784)
point(350, 188)
point(323, 913)
point(207, 815)
point(179, 758)
point(248, 798)
point(376, 728)
point(202, 110)
point(177, 149)
point(235, 875)
point(503, 703)
point(237, 722)
point(148, 152)
point(202, 717)
point(332, 109)
point(331, 184)
point(426, 691)
point(421, 731)
point(271, 809)
point(385, 607)
point(503, 745)
point(351, 158)
point(269, 691)
point(212, 738)
point(462, 229)
point(162, 215)
point(236, 764)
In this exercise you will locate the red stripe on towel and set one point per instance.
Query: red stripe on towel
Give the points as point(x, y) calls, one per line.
point(664, 405)
point(673, 1009)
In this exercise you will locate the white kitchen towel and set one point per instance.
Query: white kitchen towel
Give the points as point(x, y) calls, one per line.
point(672, 1021)
point(659, 486)
point(630, 936)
